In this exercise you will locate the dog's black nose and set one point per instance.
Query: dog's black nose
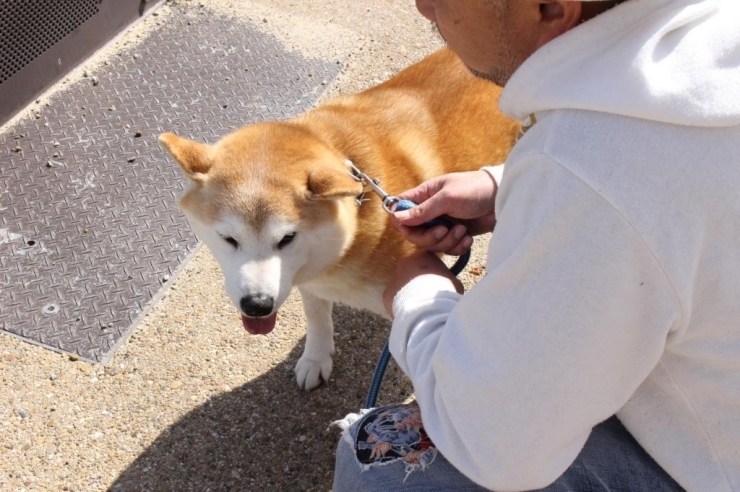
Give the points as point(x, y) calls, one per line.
point(256, 306)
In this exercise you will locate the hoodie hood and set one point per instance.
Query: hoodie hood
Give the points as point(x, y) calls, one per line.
point(673, 61)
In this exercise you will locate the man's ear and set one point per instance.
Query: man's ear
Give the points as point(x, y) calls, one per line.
point(557, 17)
point(193, 157)
point(330, 184)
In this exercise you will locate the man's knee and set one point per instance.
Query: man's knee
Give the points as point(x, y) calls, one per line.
point(385, 445)
point(346, 468)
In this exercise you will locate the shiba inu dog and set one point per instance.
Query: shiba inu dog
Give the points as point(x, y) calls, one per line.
point(276, 204)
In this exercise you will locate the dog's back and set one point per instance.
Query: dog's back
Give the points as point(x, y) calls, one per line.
point(442, 104)
point(432, 118)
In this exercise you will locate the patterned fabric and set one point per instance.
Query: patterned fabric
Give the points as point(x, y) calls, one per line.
point(394, 433)
point(378, 451)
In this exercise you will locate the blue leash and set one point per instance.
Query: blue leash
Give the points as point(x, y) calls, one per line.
point(385, 356)
point(393, 204)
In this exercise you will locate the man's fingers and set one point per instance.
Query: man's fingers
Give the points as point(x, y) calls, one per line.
point(424, 238)
point(422, 213)
point(411, 217)
point(429, 206)
point(439, 239)
point(461, 247)
point(450, 241)
point(423, 192)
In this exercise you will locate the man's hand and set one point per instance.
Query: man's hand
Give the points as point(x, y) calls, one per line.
point(419, 263)
point(468, 197)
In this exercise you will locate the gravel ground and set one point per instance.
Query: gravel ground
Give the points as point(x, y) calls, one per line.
point(191, 402)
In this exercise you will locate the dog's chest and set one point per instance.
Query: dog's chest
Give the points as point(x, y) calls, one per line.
point(355, 294)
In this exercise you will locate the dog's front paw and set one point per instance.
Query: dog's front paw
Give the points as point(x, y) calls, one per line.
point(310, 371)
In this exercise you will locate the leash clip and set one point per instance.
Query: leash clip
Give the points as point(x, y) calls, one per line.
point(388, 201)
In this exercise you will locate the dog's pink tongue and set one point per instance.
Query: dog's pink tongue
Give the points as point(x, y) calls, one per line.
point(259, 326)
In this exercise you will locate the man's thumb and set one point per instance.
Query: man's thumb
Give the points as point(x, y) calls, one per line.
point(414, 216)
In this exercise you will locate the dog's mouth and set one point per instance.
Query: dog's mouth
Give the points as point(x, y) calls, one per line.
point(259, 326)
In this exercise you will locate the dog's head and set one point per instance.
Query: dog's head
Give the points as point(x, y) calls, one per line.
point(273, 204)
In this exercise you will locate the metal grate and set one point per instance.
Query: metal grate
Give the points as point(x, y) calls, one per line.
point(30, 27)
point(89, 225)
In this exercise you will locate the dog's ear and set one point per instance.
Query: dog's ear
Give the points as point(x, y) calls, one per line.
point(330, 184)
point(193, 157)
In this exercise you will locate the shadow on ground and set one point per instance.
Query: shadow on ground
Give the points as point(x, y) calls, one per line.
point(233, 443)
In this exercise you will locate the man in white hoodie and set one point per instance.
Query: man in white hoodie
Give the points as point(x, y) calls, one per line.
point(601, 351)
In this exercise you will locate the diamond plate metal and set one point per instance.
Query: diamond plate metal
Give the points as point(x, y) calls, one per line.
point(89, 225)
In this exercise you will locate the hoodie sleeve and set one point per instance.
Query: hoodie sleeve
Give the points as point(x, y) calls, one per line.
point(571, 317)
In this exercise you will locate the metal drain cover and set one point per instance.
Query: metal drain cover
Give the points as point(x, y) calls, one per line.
point(89, 225)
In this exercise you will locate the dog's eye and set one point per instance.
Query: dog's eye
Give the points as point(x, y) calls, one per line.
point(286, 240)
point(232, 242)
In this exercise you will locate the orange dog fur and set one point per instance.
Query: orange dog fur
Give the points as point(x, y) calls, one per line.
point(277, 207)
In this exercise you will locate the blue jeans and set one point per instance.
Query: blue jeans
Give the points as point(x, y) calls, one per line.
point(388, 450)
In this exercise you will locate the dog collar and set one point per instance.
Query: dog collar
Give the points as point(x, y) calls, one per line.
point(355, 173)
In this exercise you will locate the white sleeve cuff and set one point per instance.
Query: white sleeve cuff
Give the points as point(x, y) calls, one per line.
point(421, 307)
point(429, 285)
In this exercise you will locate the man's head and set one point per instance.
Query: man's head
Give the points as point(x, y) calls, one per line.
point(494, 37)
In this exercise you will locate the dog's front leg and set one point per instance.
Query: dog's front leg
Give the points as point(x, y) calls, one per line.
point(316, 362)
